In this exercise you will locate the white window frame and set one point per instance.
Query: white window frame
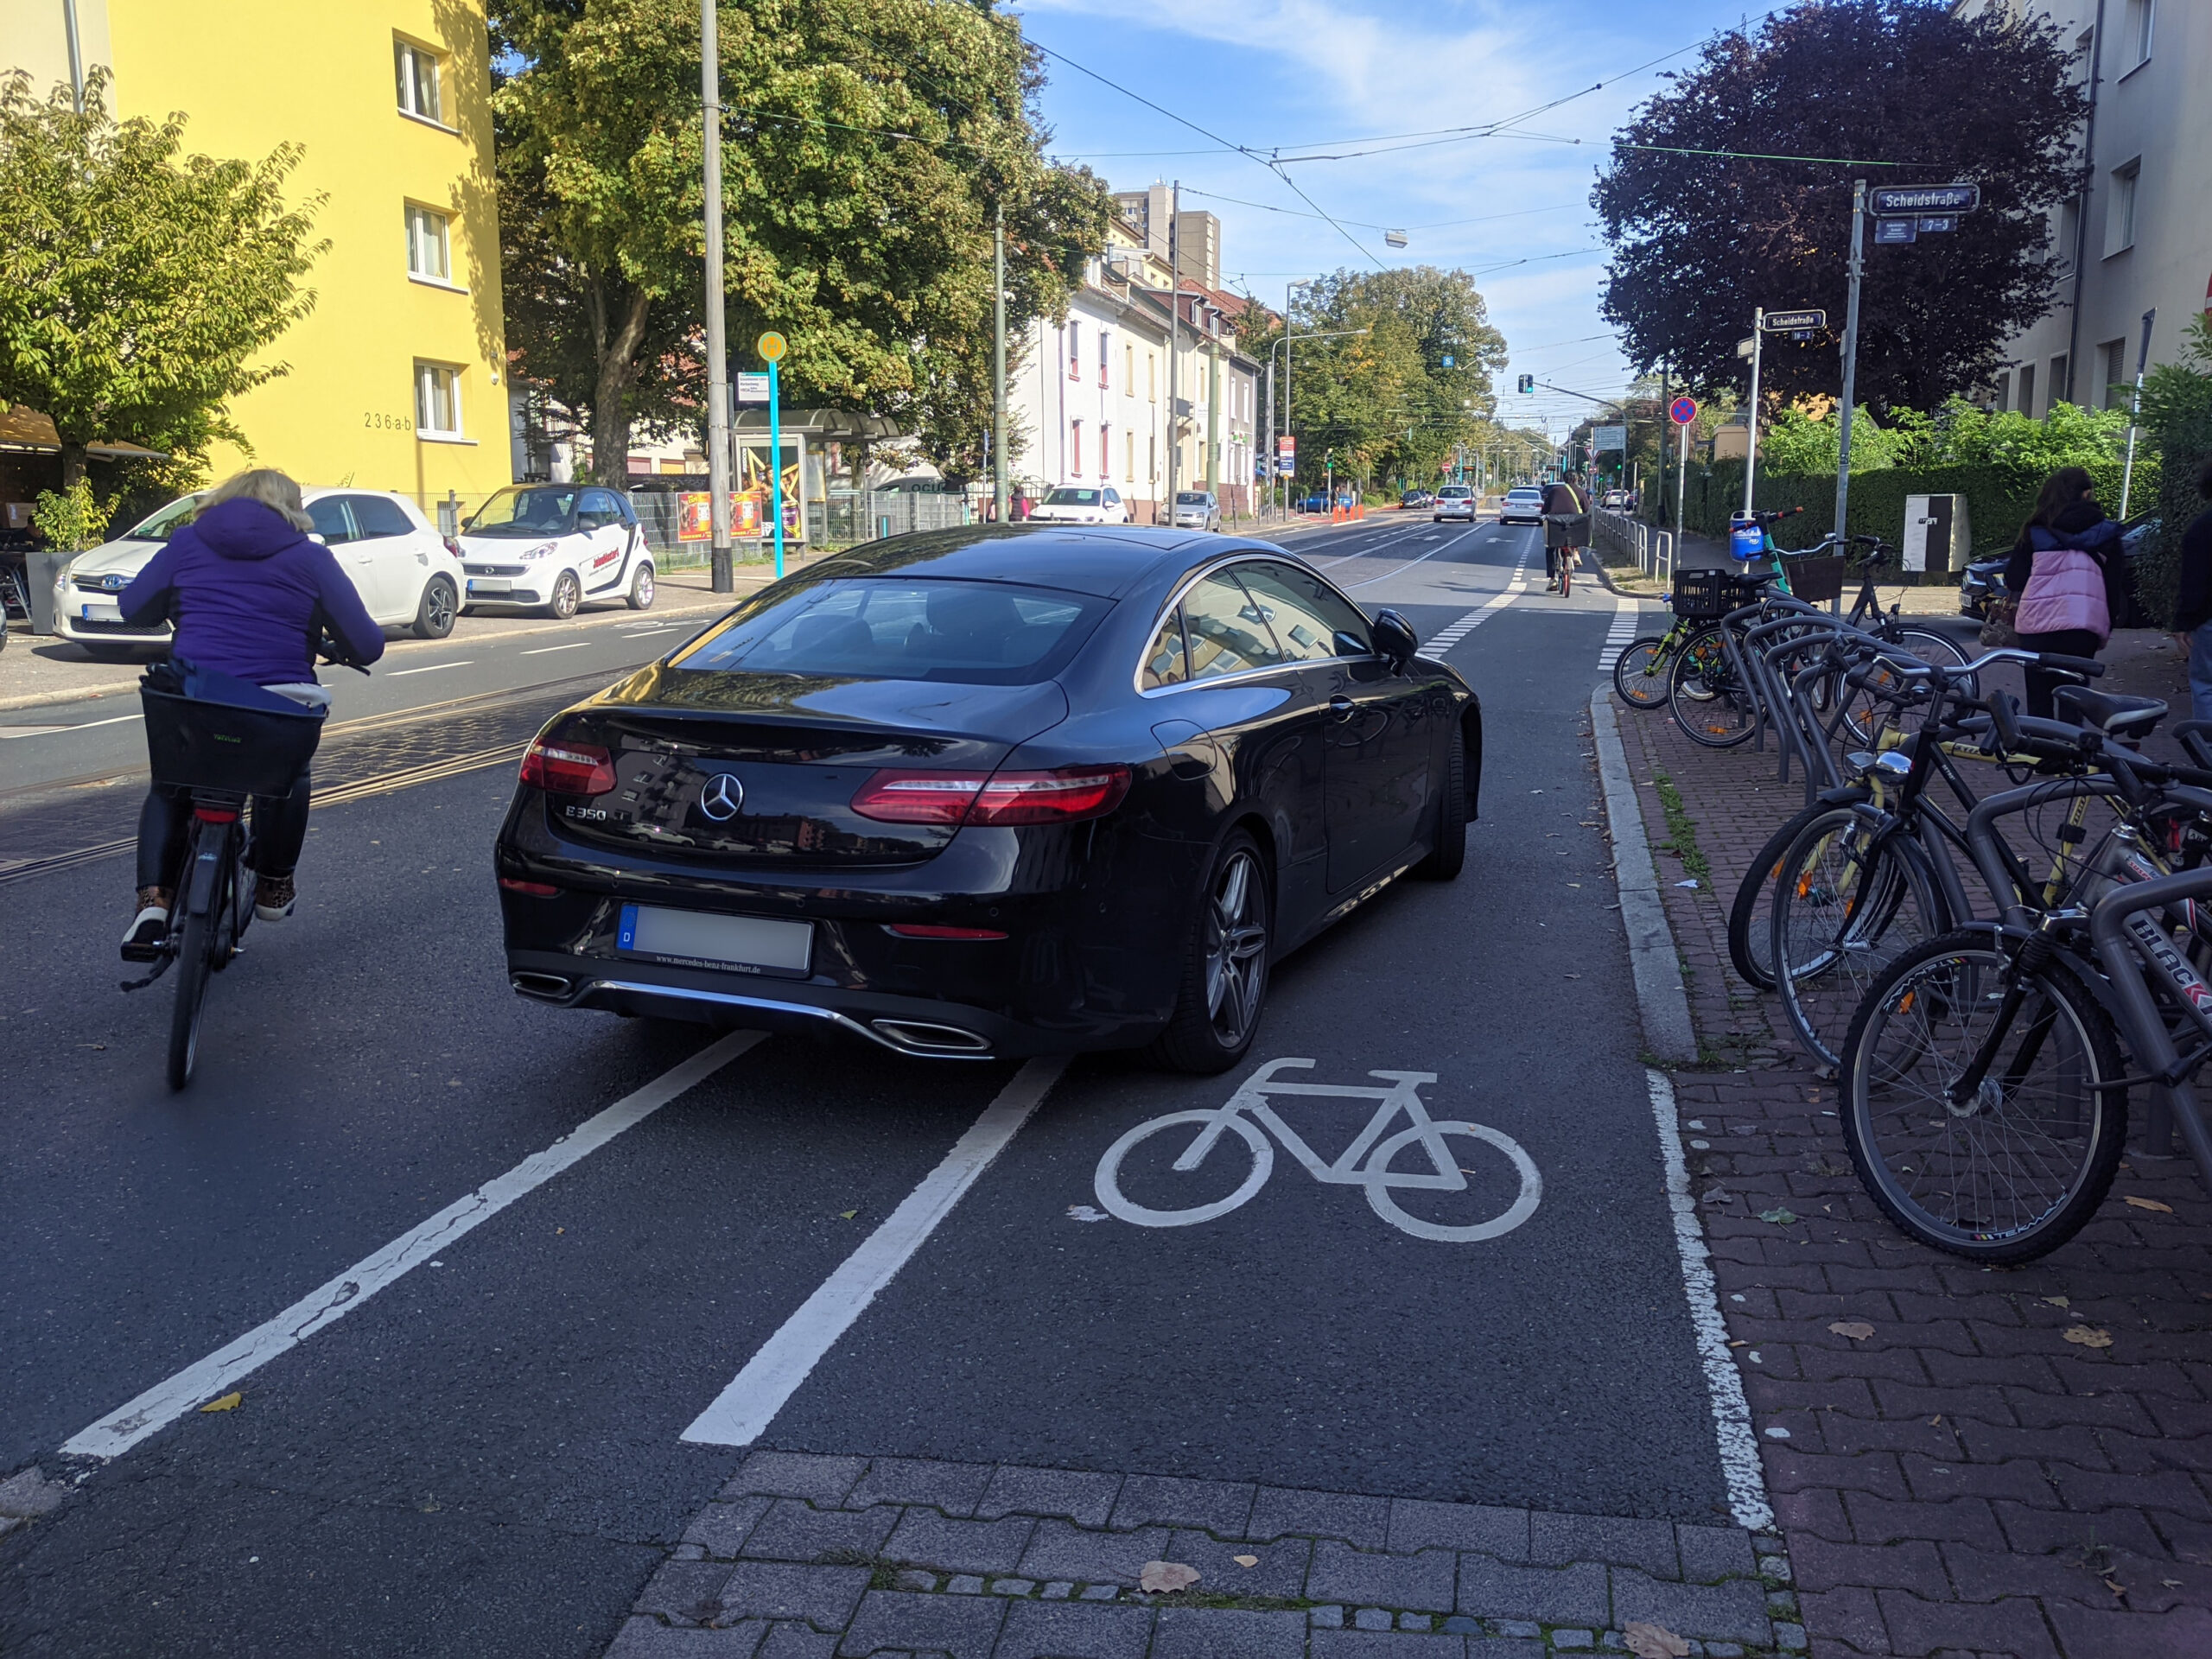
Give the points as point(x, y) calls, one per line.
point(2120, 207)
point(2139, 21)
point(429, 228)
point(406, 57)
point(426, 373)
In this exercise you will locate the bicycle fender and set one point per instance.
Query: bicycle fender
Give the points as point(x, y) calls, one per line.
point(206, 871)
point(1844, 795)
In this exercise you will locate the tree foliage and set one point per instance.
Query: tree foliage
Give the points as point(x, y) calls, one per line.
point(138, 287)
point(1958, 434)
point(868, 145)
point(1384, 401)
point(1700, 240)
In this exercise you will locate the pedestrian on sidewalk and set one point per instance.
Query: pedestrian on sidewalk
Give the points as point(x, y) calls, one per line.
point(2064, 568)
point(2193, 604)
point(1566, 521)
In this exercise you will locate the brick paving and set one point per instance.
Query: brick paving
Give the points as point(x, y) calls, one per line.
point(1966, 1480)
point(889, 1558)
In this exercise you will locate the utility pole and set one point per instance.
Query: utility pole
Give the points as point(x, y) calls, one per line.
point(722, 578)
point(1289, 431)
point(1174, 345)
point(76, 54)
point(2142, 360)
point(1751, 448)
point(1857, 266)
point(998, 366)
point(1267, 436)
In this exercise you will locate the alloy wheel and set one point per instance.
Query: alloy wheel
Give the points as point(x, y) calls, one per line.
point(1236, 946)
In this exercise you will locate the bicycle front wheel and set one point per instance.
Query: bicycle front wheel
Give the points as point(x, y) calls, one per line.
point(1708, 698)
point(2016, 1165)
point(1750, 917)
point(1115, 1173)
point(1852, 895)
point(1880, 700)
point(1640, 672)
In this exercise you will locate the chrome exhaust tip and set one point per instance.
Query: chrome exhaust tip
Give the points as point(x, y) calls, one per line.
point(919, 1037)
point(550, 987)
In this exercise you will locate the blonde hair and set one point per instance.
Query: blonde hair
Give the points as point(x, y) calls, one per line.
point(273, 489)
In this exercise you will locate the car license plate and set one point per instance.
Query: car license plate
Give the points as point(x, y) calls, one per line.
point(489, 585)
point(100, 612)
point(750, 944)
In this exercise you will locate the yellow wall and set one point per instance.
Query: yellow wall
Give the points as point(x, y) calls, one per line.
point(250, 74)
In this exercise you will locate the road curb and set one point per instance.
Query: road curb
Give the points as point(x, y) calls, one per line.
point(1653, 958)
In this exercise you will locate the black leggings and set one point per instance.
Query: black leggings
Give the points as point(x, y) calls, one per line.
point(279, 831)
point(2067, 642)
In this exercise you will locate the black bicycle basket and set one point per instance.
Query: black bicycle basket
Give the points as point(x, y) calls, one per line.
point(1817, 581)
point(220, 748)
point(1707, 595)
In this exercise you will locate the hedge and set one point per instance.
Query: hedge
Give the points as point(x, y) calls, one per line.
point(1998, 499)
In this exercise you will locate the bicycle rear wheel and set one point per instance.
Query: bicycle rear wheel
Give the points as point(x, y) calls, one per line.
point(1640, 672)
point(2015, 1169)
point(195, 951)
point(1852, 892)
point(1751, 927)
point(1871, 705)
point(1709, 699)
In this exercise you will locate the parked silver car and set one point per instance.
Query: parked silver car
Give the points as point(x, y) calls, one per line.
point(1197, 510)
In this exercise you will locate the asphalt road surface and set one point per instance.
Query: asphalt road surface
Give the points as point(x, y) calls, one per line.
point(486, 1453)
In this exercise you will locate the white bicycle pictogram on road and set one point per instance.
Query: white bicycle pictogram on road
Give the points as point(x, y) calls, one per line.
point(1248, 1116)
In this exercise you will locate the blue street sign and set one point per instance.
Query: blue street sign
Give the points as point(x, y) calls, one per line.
point(1890, 231)
point(1924, 198)
point(1932, 222)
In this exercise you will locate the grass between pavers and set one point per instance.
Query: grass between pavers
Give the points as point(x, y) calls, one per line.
point(1682, 831)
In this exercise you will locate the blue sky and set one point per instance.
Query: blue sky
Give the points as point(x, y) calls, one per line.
point(1305, 73)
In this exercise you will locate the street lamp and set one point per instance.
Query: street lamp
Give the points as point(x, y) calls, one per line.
point(1282, 345)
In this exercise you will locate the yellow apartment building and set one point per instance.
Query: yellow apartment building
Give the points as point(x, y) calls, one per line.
point(396, 377)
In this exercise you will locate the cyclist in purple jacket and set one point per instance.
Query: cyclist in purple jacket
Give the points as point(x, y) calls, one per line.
point(251, 594)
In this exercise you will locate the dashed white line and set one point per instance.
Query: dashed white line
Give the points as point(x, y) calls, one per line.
point(428, 668)
point(165, 1402)
point(574, 645)
point(1626, 615)
point(1445, 638)
point(81, 725)
point(742, 1412)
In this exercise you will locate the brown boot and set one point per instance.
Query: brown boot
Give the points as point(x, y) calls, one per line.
point(273, 897)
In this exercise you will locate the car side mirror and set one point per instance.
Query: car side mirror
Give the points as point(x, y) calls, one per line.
point(1394, 639)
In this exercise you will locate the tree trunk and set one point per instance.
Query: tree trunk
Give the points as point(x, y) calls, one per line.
point(610, 408)
point(72, 464)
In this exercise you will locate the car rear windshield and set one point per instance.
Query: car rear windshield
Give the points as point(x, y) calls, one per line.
point(535, 510)
point(1072, 499)
point(1525, 494)
point(1452, 492)
point(898, 628)
point(165, 524)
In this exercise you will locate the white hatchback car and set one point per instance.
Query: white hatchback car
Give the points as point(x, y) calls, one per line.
point(1079, 504)
point(408, 574)
point(1453, 501)
point(554, 547)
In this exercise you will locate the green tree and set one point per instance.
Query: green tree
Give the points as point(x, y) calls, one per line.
point(1700, 239)
point(869, 146)
point(1384, 401)
point(139, 288)
point(2178, 427)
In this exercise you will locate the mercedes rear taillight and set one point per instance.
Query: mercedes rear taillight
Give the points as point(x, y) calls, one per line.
point(1066, 795)
point(564, 768)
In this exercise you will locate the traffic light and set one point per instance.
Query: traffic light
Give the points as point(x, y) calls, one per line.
point(1527, 383)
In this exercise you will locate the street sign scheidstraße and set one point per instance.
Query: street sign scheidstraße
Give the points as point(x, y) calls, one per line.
point(1783, 323)
point(1923, 199)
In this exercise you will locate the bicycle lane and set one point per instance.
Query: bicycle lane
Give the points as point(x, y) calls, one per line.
point(1301, 1337)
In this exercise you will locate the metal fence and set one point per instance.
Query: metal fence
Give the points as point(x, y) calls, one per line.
point(1652, 551)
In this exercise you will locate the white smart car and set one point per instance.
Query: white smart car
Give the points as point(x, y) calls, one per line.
point(408, 574)
point(1080, 504)
point(554, 548)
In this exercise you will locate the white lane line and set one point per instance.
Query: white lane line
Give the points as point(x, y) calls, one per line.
point(81, 725)
point(1732, 1411)
point(1445, 638)
point(1395, 533)
point(430, 668)
point(742, 1412)
point(576, 645)
point(1626, 615)
point(223, 1369)
point(1448, 544)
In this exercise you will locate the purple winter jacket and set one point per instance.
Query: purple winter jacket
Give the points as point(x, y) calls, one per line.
point(249, 593)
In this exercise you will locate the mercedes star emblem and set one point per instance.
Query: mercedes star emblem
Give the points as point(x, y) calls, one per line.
point(723, 797)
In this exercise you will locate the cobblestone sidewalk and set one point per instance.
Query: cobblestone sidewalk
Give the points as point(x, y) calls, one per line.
point(1966, 1479)
point(805, 1555)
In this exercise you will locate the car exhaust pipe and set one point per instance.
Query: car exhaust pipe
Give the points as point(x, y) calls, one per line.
point(919, 1037)
point(550, 987)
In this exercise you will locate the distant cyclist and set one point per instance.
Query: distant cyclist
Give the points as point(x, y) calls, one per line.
point(1566, 512)
point(251, 594)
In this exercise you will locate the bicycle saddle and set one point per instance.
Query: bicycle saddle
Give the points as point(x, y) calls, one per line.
point(2108, 711)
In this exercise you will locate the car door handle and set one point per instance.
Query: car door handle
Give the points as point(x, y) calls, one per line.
point(1342, 708)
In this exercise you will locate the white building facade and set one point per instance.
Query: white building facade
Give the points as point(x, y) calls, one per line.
point(2139, 238)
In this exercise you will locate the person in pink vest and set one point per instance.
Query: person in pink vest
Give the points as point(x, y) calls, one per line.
point(2059, 569)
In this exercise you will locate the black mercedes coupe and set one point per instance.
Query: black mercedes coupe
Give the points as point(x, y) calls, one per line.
point(999, 790)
